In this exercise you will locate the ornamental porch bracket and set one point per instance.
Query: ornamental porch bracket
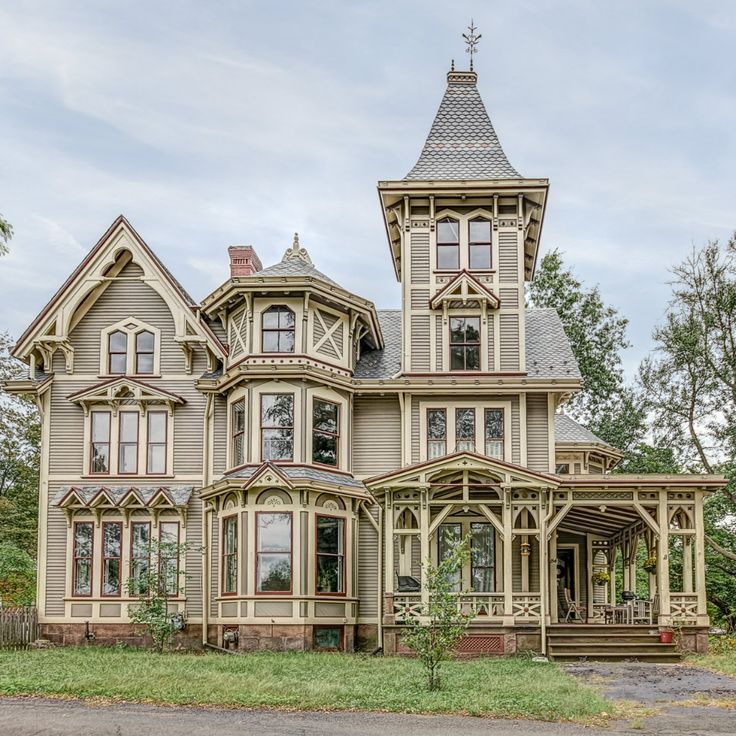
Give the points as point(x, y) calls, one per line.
point(647, 518)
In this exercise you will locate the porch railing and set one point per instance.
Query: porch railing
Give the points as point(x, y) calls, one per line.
point(684, 607)
point(485, 606)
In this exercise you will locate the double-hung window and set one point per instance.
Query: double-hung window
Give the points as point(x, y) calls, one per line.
point(479, 244)
point(330, 555)
point(230, 555)
point(82, 564)
point(493, 430)
point(140, 556)
point(169, 557)
point(465, 430)
point(273, 552)
point(436, 433)
point(465, 343)
point(325, 432)
point(279, 330)
point(156, 445)
point(128, 443)
point(112, 553)
point(237, 419)
point(277, 427)
point(144, 352)
point(117, 351)
point(448, 245)
point(100, 446)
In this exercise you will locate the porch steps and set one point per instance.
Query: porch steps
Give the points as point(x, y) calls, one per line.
point(575, 642)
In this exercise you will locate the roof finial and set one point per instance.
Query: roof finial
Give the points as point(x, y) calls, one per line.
point(452, 65)
point(471, 39)
point(296, 251)
point(295, 244)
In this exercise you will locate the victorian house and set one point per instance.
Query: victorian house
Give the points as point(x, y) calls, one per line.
point(313, 451)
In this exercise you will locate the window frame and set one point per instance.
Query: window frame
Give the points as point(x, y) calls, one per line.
point(329, 627)
point(341, 557)
point(430, 440)
point(92, 443)
point(266, 427)
point(335, 435)
point(226, 556)
point(76, 558)
point(138, 353)
point(131, 327)
point(465, 345)
point(236, 461)
point(164, 444)
point(259, 552)
point(492, 567)
point(111, 352)
point(501, 439)
point(473, 437)
point(177, 558)
point(279, 309)
point(136, 444)
point(449, 244)
point(480, 243)
point(136, 558)
point(104, 559)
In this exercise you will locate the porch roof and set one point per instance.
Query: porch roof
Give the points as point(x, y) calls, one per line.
point(650, 480)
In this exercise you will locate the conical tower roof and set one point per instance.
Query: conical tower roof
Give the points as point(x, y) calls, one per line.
point(462, 143)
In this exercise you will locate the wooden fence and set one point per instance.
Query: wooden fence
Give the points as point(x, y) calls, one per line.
point(18, 627)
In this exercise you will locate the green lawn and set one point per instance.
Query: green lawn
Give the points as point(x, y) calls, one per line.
point(725, 662)
point(511, 688)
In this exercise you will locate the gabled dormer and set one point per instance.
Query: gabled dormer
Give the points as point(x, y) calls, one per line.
point(463, 212)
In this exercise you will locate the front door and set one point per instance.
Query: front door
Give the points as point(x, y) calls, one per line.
point(566, 571)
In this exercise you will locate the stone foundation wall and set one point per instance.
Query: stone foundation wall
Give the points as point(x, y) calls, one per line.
point(694, 640)
point(110, 634)
point(277, 637)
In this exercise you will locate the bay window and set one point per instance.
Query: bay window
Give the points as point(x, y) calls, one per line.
point(83, 547)
point(156, 443)
point(479, 244)
point(237, 428)
point(465, 343)
point(278, 327)
point(273, 552)
point(112, 552)
point(277, 427)
point(330, 545)
point(230, 555)
point(168, 557)
point(436, 433)
point(100, 446)
point(448, 244)
point(464, 430)
point(325, 432)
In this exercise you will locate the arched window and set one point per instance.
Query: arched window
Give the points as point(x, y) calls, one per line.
point(144, 350)
point(117, 349)
point(448, 244)
point(278, 330)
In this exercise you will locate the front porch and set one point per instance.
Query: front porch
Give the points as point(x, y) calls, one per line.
point(546, 549)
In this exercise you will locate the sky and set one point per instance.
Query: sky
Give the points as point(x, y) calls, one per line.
point(223, 123)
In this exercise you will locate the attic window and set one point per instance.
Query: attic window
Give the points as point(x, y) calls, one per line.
point(130, 347)
point(117, 348)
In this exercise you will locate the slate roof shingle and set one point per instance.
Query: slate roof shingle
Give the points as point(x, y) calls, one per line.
point(302, 472)
point(295, 267)
point(462, 143)
point(567, 430)
point(387, 362)
point(178, 495)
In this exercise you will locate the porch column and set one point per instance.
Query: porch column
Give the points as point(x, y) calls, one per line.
point(663, 561)
point(552, 576)
point(424, 538)
point(508, 574)
point(687, 563)
point(389, 522)
point(703, 619)
point(612, 572)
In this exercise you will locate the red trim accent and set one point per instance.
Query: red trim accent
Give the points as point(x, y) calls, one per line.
point(223, 555)
point(291, 555)
point(104, 559)
point(344, 556)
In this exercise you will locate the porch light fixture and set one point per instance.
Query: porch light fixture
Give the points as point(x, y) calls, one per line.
point(526, 549)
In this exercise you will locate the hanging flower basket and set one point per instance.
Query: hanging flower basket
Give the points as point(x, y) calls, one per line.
point(600, 578)
point(650, 564)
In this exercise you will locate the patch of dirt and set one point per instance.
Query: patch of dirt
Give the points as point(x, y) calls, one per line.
point(654, 683)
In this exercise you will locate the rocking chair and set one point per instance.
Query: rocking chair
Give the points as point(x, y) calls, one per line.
point(573, 607)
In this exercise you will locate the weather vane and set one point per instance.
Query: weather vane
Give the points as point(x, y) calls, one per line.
point(471, 39)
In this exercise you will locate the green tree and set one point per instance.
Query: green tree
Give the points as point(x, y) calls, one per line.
point(6, 233)
point(154, 583)
point(690, 385)
point(17, 576)
point(434, 636)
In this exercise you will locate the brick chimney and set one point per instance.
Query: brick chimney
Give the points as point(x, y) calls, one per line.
point(244, 261)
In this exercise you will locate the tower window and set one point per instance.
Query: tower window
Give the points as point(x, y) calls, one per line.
point(448, 244)
point(277, 427)
point(238, 433)
point(325, 432)
point(465, 343)
point(278, 330)
point(494, 433)
point(436, 433)
point(479, 243)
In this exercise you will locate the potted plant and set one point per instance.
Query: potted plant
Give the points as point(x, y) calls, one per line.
point(650, 564)
point(665, 635)
point(601, 577)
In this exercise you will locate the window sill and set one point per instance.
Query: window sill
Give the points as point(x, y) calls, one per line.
point(131, 476)
point(137, 376)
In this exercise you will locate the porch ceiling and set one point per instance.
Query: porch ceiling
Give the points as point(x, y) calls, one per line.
point(607, 523)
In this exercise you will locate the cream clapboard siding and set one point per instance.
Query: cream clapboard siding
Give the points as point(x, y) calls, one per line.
point(509, 298)
point(368, 544)
point(376, 435)
point(125, 298)
point(214, 563)
point(491, 344)
point(515, 430)
point(56, 559)
point(509, 342)
point(508, 257)
point(188, 427)
point(537, 432)
point(533, 565)
point(66, 431)
point(193, 582)
point(420, 258)
point(220, 439)
point(439, 344)
point(420, 344)
point(420, 299)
